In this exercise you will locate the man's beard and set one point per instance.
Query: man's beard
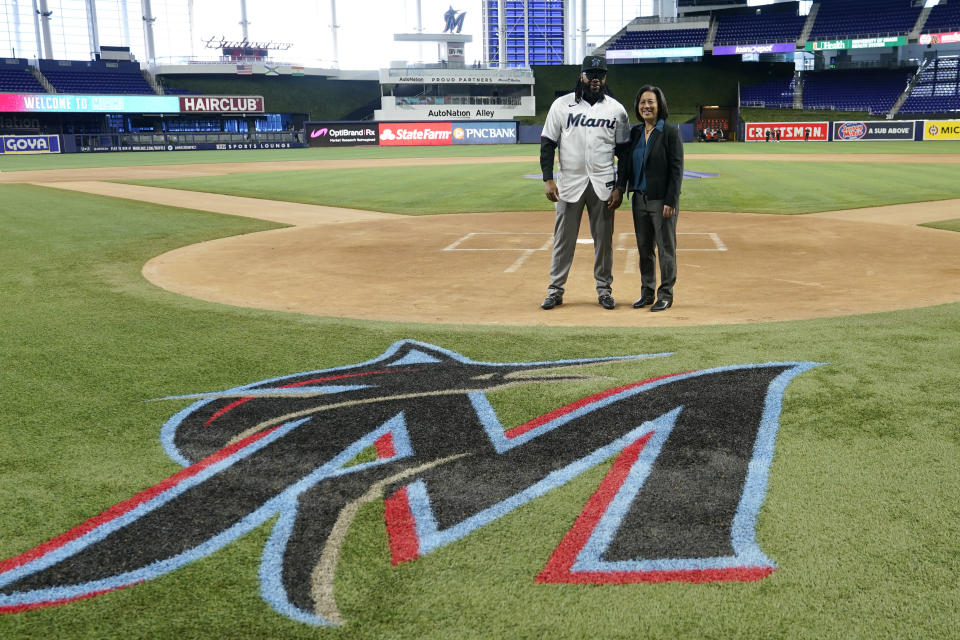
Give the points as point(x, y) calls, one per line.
point(588, 94)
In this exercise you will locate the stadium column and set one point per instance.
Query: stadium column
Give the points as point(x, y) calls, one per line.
point(244, 23)
point(333, 29)
point(92, 31)
point(44, 14)
point(148, 21)
point(583, 29)
point(526, 34)
point(502, 33)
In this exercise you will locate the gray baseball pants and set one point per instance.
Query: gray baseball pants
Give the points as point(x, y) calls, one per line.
point(565, 234)
point(654, 231)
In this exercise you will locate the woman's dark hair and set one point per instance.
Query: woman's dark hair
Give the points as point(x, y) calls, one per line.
point(662, 112)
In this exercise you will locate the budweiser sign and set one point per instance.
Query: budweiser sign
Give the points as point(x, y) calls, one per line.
point(221, 104)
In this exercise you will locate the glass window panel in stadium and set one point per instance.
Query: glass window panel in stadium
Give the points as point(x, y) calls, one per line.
point(119, 23)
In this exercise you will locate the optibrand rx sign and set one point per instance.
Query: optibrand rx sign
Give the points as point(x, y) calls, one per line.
point(341, 134)
point(29, 144)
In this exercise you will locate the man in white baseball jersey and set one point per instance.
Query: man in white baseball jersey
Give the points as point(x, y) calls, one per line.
point(586, 125)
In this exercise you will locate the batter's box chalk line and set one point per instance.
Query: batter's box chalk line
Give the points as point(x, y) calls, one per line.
point(624, 240)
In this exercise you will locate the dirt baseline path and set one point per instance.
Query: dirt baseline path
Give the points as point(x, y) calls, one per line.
point(491, 268)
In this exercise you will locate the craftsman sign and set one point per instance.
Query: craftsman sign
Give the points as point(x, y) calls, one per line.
point(221, 104)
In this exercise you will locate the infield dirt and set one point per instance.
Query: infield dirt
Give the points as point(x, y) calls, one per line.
point(491, 268)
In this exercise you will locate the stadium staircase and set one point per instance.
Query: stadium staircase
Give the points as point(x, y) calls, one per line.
point(157, 89)
point(909, 88)
point(711, 35)
point(42, 80)
point(921, 21)
point(798, 90)
point(808, 25)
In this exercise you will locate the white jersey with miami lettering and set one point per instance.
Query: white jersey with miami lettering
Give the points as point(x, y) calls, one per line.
point(586, 135)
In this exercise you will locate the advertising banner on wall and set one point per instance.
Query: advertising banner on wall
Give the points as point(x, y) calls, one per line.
point(69, 103)
point(879, 130)
point(199, 146)
point(951, 37)
point(29, 144)
point(856, 43)
point(673, 52)
point(741, 49)
point(341, 134)
point(789, 131)
point(485, 132)
point(221, 104)
point(941, 129)
point(409, 134)
point(76, 103)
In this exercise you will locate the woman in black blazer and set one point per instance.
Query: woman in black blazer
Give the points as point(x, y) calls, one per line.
point(652, 170)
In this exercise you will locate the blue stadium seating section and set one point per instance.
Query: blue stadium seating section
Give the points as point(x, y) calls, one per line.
point(936, 90)
point(855, 18)
point(16, 77)
point(943, 17)
point(772, 94)
point(872, 90)
point(775, 23)
point(110, 78)
point(660, 39)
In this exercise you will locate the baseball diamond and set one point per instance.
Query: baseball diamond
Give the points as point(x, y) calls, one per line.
point(304, 334)
point(835, 251)
point(361, 424)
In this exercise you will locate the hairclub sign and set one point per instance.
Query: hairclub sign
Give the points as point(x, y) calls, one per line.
point(221, 104)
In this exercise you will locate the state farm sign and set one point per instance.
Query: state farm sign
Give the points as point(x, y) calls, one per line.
point(397, 134)
point(221, 104)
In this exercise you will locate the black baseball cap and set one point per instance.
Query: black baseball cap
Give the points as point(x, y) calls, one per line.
point(594, 62)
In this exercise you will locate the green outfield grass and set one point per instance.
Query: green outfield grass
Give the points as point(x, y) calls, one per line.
point(129, 159)
point(86, 160)
point(747, 186)
point(861, 513)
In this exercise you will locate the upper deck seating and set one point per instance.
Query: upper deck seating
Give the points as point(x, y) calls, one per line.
point(857, 19)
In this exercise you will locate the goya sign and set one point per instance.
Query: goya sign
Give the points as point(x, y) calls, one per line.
point(29, 144)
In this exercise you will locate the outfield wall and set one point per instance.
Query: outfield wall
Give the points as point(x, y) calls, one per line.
point(391, 134)
point(851, 131)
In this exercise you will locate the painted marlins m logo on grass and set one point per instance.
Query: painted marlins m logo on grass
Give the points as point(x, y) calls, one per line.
point(414, 427)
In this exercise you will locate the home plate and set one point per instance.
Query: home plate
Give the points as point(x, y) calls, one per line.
point(584, 241)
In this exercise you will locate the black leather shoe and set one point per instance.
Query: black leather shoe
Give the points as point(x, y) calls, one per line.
point(551, 301)
point(642, 302)
point(606, 301)
point(662, 305)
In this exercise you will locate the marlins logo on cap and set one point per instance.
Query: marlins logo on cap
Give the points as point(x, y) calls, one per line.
point(593, 62)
